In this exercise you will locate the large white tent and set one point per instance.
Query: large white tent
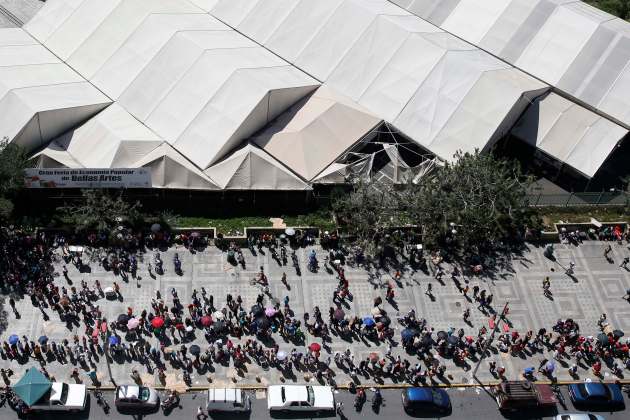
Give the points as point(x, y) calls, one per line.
point(568, 44)
point(271, 94)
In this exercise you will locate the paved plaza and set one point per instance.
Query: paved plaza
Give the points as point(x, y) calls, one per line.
point(598, 287)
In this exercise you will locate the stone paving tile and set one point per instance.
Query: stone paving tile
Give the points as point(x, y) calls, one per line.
point(598, 287)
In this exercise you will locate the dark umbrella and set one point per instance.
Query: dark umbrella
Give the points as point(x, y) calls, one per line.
point(453, 340)
point(407, 334)
point(219, 326)
point(442, 334)
point(195, 350)
point(385, 320)
point(43, 340)
point(123, 319)
point(618, 333)
point(339, 314)
point(257, 310)
point(263, 323)
point(602, 338)
point(427, 340)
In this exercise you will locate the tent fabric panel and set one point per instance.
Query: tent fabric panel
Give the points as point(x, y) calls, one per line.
point(145, 42)
point(90, 56)
point(617, 101)
point(472, 19)
point(206, 5)
point(337, 35)
point(79, 26)
point(556, 45)
point(179, 107)
point(17, 77)
point(508, 25)
point(265, 18)
point(170, 65)
point(19, 55)
point(402, 76)
point(603, 76)
point(301, 25)
point(15, 37)
point(53, 123)
point(29, 137)
point(50, 17)
point(233, 12)
point(67, 95)
point(367, 58)
point(223, 171)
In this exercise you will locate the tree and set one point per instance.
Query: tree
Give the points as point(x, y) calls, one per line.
point(101, 210)
point(472, 202)
point(13, 161)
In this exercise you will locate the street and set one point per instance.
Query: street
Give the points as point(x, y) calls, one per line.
point(468, 403)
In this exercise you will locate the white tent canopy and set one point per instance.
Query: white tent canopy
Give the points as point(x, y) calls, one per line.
point(569, 44)
point(251, 168)
point(315, 131)
point(40, 97)
point(569, 133)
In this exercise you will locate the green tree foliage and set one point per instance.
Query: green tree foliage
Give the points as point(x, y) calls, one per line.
point(620, 8)
point(474, 202)
point(101, 210)
point(13, 161)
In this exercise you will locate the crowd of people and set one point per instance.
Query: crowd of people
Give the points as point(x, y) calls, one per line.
point(167, 334)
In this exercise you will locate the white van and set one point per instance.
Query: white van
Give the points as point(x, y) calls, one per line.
point(228, 400)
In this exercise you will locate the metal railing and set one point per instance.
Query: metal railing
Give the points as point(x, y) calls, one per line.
point(603, 198)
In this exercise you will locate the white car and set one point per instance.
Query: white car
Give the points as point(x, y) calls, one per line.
point(138, 397)
point(62, 397)
point(300, 398)
point(578, 416)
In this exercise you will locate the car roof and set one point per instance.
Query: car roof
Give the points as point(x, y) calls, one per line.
point(225, 395)
point(128, 391)
point(419, 394)
point(595, 389)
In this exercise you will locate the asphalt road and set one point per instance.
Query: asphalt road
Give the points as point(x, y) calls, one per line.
point(468, 404)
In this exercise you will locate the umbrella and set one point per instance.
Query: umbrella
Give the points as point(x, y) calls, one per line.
point(270, 311)
point(256, 310)
point(133, 323)
point(427, 340)
point(368, 322)
point(407, 334)
point(123, 318)
point(195, 235)
point(219, 325)
point(206, 321)
point(108, 290)
point(262, 322)
point(618, 333)
point(442, 334)
point(32, 386)
point(155, 227)
point(376, 311)
point(281, 355)
point(315, 347)
point(43, 340)
point(289, 231)
point(195, 350)
point(550, 366)
point(339, 314)
point(453, 340)
point(385, 320)
point(157, 322)
point(602, 338)
point(218, 315)
point(13, 339)
point(113, 340)
point(373, 356)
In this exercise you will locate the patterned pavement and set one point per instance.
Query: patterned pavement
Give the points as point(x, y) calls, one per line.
point(597, 287)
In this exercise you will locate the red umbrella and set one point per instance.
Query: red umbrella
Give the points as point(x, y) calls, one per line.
point(157, 322)
point(315, 347)
point(206, 321)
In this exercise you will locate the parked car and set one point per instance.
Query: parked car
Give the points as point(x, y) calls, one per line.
point(136, 397)
point(578, 416)
point(426, 400)
point(524, 395)
point(228, 400)
point(597, 395)
point(62, 397)
point(300, 398)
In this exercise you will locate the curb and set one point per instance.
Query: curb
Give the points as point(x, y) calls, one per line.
point(201, 388)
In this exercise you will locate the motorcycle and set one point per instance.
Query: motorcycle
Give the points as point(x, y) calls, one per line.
point(158, 264)
point(359, 400)
point(101, 401)
point(377, 400)
point(178, 264)
point(171, 401)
